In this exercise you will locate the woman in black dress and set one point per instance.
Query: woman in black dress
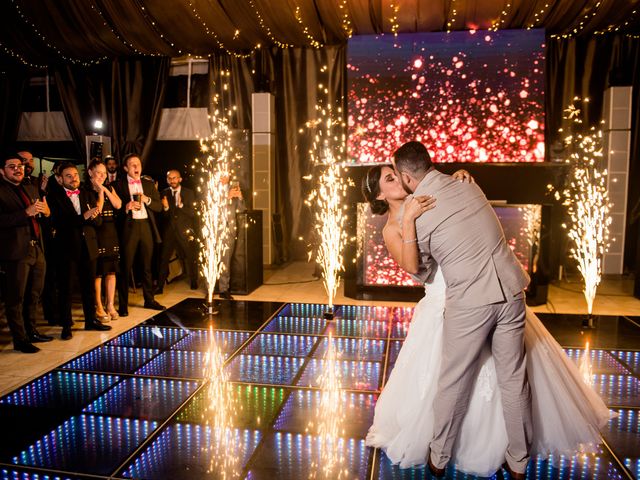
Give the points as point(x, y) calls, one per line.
point(108, 247)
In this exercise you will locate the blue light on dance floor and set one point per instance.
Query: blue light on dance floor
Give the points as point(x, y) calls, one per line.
point(630, 358)
point(198, 340)
point(295, 456)
point(306, 310)
point(87, 444)
point(579, 467)
point(264, 369)
point(633, 464)
point(362, 312)
point(145, 398)
point(176, 364)
point(354, 349)
point(185, 451)
point(601, 361)
point(61, 390)
point(295, 325)
point(149, 337)
point(356, 375)
point(301, 408)
point(112, 359)
point(618, 390)
point(361, 328)
point(291, 345)
point(20, 474)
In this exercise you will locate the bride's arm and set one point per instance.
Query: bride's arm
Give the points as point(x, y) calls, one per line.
point(403, 243)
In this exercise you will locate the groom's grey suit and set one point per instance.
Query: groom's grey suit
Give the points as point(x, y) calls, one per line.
point(484, 303)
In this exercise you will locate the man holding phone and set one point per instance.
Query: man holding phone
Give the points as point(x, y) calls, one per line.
point(138, 230)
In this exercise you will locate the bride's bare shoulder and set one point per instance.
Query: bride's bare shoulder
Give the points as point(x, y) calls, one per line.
point(390, 228)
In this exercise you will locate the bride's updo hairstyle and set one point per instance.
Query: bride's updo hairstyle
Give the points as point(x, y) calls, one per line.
point(371, 189)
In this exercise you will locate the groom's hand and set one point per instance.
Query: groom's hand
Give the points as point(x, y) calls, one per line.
point(463, 176)
point(418, 205)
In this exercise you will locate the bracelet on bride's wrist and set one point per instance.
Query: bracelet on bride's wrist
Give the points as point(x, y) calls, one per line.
point(413, 240)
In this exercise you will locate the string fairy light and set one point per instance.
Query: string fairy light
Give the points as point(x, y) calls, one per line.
point(345, 20)
point(42, 37)
point(19, 57)
point(107, 22)
point(214, 35)
point(266, 28)
point(537, 17)
point(395, 26)
point(452, 17)
point(502, 18)
point(305, 30)
point(152, 22)
point(581, 24)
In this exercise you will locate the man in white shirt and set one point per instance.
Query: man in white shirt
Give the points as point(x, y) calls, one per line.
point(138, 230)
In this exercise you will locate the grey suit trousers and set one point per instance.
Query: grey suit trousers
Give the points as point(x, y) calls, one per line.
point(465, 332)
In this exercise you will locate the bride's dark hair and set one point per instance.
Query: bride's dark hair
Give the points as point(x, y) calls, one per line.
point(371, 189)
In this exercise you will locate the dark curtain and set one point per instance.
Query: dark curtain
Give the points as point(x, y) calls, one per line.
point(12, 82)
point(585, 67)
point(85, 93)
point(297, 74)
point(236, 74)
point(138, 88)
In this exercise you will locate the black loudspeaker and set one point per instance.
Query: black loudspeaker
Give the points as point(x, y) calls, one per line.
point(246, 263)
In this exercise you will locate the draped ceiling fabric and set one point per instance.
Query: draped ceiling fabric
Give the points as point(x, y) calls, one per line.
point(68, 35)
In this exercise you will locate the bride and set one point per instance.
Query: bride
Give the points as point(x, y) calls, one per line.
point(567, 414)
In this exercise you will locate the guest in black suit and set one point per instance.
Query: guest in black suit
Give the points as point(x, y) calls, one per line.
point(74, 213)
point(113, 169)
point(179, 234)
point(138, 230)
point(21, 254)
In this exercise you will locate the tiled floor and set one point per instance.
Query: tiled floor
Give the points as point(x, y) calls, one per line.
point(141, 386)
point(136, 406)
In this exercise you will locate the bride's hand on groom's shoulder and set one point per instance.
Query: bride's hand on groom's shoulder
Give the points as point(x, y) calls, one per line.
point(463, 176)
point(417, 205)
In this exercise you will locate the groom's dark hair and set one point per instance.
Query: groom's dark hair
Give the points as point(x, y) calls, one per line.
point(412, 158)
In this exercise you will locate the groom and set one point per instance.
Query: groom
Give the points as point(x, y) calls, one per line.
point(484, 303)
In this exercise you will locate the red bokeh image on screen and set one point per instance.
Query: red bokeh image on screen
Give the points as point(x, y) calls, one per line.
point(473, 96)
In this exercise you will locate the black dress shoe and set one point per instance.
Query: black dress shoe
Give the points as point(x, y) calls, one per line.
point(436, 472)
point(66, 333)
point(512, 474)
point(95, 325)
point(37, 337)
point(25, 347)
point(153, 305)
point(123, 313)
point(226, 295)
point(158, 291)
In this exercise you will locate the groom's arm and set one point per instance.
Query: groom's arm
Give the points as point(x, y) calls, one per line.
point(427, 265)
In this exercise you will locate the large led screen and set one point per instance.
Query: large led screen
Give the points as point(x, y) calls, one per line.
point(473, 96)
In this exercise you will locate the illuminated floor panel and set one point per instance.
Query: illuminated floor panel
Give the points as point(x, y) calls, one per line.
point(291, 345)
point(355, 375)
point(98, 414)
point(354, 349)
point(60, 389)
point(264, 369)
point(149, 337)
point(176, 364)
point(302, 405)
point(146, 398)
point(87, 444)
point(291, 456)
point(112, 359)
point(198, 340)
point(257, 406)
point(186, 451)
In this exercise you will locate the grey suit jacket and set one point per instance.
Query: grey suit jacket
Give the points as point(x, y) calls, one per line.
point(463, 235)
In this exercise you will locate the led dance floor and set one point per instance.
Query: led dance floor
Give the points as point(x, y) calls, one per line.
point(133, 407)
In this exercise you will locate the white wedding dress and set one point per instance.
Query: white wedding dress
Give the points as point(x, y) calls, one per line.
point(566, 412)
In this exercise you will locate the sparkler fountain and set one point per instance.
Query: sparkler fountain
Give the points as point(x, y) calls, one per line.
point(587, 201)
point(215, 206)
point(329, 195)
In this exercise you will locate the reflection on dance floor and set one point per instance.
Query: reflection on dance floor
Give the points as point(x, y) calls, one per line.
point(135, 407)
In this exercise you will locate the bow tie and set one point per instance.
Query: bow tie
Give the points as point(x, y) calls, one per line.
point(135, 182)
point(71, 193)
